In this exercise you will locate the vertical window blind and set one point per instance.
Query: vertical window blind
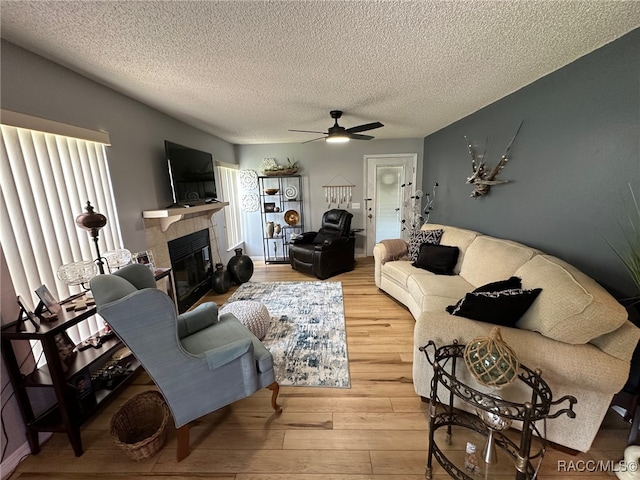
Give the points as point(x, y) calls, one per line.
point(228, 175)
point(46, 181)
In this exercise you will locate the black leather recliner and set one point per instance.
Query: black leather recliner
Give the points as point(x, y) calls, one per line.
point(327, 252)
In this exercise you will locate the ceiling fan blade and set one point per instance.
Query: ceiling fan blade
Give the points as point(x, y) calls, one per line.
point(365, 127)
point(319, 138)
point(357, 136)
point(308, 131)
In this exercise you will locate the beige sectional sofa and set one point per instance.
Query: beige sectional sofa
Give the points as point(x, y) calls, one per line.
point(575, 332)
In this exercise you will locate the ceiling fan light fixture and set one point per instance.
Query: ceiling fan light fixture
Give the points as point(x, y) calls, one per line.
point(337, 138)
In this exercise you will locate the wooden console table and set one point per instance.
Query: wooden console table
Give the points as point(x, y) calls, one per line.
point(73, 404)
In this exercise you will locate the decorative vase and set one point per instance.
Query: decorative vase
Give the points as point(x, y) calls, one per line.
point(220, 280)
point(240, 267)
point(277, 228)
point(270, 229)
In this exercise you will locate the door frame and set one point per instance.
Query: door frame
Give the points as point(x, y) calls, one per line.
point(410, 159)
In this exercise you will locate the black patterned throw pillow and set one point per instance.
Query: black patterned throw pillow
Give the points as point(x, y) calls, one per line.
point(500, 308)
point(418, 237)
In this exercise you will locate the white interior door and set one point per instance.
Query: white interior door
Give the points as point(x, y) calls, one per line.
point(390, 180)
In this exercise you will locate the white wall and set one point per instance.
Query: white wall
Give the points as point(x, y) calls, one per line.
point(319, 163)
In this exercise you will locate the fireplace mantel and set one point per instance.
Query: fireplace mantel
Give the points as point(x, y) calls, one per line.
point(168, 216)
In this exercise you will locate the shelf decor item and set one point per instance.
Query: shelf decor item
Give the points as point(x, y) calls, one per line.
point(491, 361)
point(494, 417)
point(240, 267)
point(117, 259)
point(270, 168)
point(271, 191)
point(220, 279)
point(270, 228)
point(77, 273)
point(291, 217)
point(139, 426)
point(291, 192)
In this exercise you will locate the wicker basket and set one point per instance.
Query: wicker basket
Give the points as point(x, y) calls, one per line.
point(138, 427)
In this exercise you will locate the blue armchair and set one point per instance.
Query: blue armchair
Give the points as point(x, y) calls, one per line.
point(199, 361)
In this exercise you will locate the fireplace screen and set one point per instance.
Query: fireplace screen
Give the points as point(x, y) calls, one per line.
point(191, 265)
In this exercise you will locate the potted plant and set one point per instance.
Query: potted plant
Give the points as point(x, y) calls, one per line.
point(629, 252)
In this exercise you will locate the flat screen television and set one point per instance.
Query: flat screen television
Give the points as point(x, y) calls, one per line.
point(191, 174)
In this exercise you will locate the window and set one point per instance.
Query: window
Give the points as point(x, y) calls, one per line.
point(228, 174)
point(45, 181)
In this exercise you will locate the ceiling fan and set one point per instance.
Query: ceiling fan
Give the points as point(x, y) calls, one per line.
point(338, 134)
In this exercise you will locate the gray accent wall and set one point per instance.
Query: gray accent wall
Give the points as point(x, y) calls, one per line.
point(570, 168)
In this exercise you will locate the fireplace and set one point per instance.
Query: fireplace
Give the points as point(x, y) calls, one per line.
point(191, 264)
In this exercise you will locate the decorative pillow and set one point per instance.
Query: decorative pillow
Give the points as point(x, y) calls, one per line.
point(500, 308)
point(439, 259)
point(418, 237)
point(500, 285)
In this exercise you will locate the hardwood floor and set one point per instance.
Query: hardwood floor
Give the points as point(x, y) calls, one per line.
point(376, 430)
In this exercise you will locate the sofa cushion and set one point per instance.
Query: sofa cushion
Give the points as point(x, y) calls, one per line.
point(423, 283)
point(398, 271)
point(572, 308)
point(490, 259)
point(500, 308)
point(439, 259)
point(419, 237)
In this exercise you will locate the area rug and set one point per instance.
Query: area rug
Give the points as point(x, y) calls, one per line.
point(307, 335)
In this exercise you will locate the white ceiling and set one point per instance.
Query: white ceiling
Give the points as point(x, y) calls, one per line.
point(247, 71)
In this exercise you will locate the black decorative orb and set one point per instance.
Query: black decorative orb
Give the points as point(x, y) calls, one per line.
point(220, 280)
point(240, 267)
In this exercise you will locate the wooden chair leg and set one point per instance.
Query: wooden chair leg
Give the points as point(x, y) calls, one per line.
point(183, 442)
point(275, 388)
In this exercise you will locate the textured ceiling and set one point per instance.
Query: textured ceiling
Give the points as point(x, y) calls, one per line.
point(247, 71)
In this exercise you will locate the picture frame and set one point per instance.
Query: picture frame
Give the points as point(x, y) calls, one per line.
point(82, 384)
point(269, 207)
point(47, 301)
point(145, 257)
point(66, 349)
point(83, 387)
point(26, 313)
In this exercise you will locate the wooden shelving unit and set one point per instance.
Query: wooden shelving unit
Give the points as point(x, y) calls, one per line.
point(273, 209)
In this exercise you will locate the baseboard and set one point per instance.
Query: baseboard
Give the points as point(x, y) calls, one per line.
point(11, 462)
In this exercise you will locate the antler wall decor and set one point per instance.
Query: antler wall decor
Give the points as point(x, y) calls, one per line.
point(482, 178)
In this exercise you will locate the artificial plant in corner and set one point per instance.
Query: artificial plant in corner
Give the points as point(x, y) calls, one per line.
point(629, 252)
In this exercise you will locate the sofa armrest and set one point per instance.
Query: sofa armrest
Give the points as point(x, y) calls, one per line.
point(386, 251)
point(329, 244)
point(620, 343)
point(305, 237)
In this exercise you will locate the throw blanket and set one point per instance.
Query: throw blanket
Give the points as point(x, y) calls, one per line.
point(396, 249)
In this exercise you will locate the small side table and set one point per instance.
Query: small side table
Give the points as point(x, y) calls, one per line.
point(443, 414)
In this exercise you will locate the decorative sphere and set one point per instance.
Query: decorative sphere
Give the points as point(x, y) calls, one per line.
point(491, 361)
point(492, 417)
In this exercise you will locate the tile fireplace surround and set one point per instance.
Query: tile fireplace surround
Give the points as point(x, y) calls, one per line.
point(157, 239)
